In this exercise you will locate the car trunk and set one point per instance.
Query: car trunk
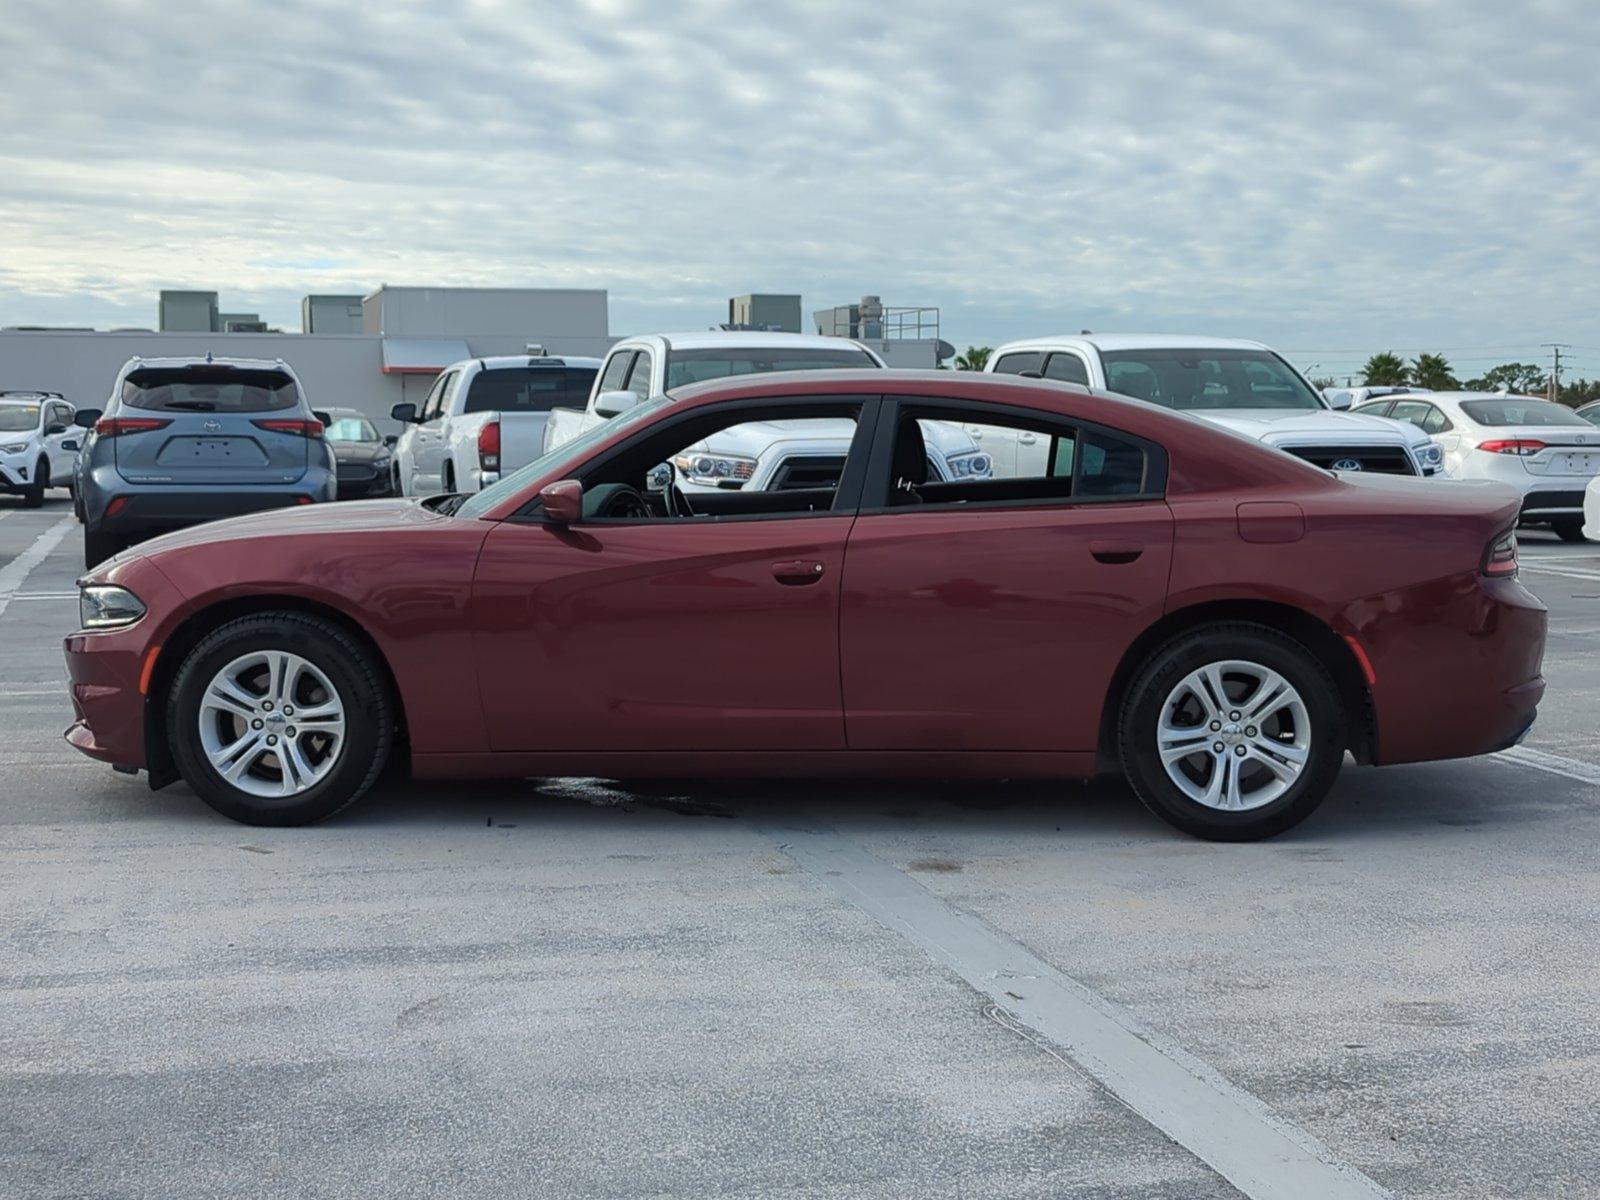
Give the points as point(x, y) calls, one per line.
point(217, 430)
point(1563, 453)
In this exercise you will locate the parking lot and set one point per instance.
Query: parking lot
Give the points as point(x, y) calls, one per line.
point(561, 987)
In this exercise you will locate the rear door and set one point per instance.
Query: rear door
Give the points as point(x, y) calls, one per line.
point(209, 425)
point(990, 614)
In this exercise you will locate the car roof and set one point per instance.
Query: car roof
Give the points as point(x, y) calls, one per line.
point(1132, 341)
point(496, 362)
point(710, 339)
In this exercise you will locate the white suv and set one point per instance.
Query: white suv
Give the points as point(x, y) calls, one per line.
point(1240, 385)
point(38, 444)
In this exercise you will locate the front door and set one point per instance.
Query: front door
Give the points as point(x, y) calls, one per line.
point(991, 614)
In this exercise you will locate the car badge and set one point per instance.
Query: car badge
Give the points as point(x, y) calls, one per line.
point(212, 426)
point(1347, 464)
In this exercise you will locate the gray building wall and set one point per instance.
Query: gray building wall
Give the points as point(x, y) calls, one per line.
point(330, 314)
point(766, 311)
point(565, 320)
point(193, 312)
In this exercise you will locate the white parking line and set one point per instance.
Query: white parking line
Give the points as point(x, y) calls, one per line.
point(1230, 1130)
point(1569, 572)
point(17, 570)
point(1555, 764)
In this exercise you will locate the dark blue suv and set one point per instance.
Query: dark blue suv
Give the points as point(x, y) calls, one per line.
point(186, 440)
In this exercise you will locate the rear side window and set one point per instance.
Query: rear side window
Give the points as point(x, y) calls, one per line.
point(529, 389)
point(209, 389)
point(1016, 364)
point(1520, 410)
point(1068, 368)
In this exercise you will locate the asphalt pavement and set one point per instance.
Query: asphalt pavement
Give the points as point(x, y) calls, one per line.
point(563, 988)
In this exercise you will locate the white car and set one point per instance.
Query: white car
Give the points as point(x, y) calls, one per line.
point(1543, 449)
point(1591, 510)
point(763, 455)
point(1241, 385)
point(38, 444)
point(482, 418)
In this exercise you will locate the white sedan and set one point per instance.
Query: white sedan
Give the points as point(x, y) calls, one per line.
point(38, 444)
point(1591, 510)
point(1544, 450)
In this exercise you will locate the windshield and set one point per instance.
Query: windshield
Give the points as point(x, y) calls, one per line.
point(14, 418)
point(693, 366)
point(1188, 379)
point(209, 389)
point(1520, 410)
point(351, 429)
point(556, 460)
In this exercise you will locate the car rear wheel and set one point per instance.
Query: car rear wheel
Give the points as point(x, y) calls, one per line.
point(1569, 529)
point(1232, 732)
point(280, 719)
point(34, 496)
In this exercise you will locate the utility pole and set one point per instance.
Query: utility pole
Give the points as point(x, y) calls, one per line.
point(1553, 393)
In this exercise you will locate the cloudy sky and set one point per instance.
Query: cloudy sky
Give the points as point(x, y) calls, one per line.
point(1332, 178)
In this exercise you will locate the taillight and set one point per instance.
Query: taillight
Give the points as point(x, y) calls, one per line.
point(310, 429)
point(117, 426)
point(1500, 560)
point(489, 446)
point(1520, 446)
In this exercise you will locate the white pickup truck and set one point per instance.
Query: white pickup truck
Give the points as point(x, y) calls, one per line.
point(482, 418)
point(1241, 385)
point(762, 455)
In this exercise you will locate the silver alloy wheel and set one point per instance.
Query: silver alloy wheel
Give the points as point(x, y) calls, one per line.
point(1233, 735)
point(271, 723)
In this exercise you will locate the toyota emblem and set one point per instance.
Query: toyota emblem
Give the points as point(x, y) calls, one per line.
point(1347, 464)
point(212, 426)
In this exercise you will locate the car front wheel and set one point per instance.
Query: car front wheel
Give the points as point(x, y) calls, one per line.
point(280, 719)
point(34, 496)
point(1232, 732)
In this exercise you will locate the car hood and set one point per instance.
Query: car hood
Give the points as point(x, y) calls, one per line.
point(357, 452)
point(1301, 425)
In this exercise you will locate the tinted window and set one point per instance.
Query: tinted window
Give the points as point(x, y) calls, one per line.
point(351, 429)
point(616, 371)
point(14, 418)
point(529, 389)
point(1225, 379)
point(209, 389)
point(1068, 368)
point(1520, 410)
point(639, 378)
point(692, 366)
point(1018, 362)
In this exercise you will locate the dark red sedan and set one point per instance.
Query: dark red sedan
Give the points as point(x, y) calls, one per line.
point(1104, 584)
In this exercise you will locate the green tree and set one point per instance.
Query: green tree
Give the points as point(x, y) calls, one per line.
point(1433, 371)
point(1385, 370)
point(973, 358)
point(1523, 378)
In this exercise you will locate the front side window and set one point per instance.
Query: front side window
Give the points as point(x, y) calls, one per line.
point(1017, 362)
point(695, 366)
point(528, 389)
point(639, 377)
point(433, 405)
point(1208, 379)
point(616, 371)
point(18, 418)
point(209, 389)
point(1520, 410)
point(1068, 368)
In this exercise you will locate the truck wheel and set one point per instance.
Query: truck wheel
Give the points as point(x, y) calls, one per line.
point(1569, 529)
point(280, 719)
point(34, 496)
point(1232, 732)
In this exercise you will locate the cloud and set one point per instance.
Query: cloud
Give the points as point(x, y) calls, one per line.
point(1334, 175)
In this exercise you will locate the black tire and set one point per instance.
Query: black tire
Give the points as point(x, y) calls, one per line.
point(77, 503)
point(34, 496)
point(369, 716)
point(99, 546)
point(1166, 668)
point(1569, 529)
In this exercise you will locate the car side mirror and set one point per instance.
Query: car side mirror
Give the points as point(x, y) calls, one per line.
point(406, 414)
point(614, 404)
point(54, 428)
point(562, 501)
point(1337, 398)
point(70, 444)
point(325, 418)
point(390, 439)
point(86, 417)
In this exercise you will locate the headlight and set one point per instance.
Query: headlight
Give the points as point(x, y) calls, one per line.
point(715, 468)
point(101, 606)
point(1431, 455)
point(380, 462)
point(17, 449)
point(970, 464)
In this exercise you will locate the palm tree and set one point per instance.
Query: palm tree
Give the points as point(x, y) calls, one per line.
point(1385, 370)
point(973, 358)
point(1432, 371)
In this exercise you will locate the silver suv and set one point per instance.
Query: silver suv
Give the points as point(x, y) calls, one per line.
point(186, 440)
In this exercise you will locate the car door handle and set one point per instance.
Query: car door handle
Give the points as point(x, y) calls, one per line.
point(1108, 551)
point(797, 572)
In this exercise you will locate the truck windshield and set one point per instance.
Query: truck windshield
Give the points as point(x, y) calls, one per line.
point(557, 460)
point(692, 366)
point(1190, 379)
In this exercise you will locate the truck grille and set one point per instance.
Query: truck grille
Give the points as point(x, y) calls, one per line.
point(1377, 460)
point(811, 471)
